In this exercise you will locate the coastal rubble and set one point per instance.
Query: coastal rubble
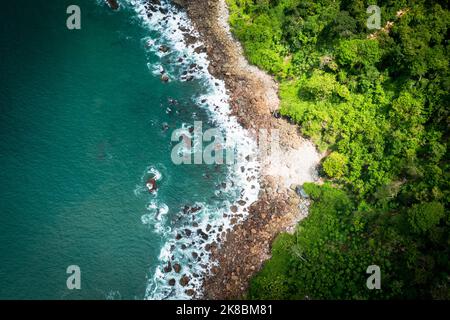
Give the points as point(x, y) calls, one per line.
point(254, 100)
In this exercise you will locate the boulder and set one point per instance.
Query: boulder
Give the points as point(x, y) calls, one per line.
point(165, 78)
point(168, 268)
point(190, 292)
point(177, 267)
point(184, 281)
point(163, 48)
point(151, 185)
point(202, 234)
point(113, 4)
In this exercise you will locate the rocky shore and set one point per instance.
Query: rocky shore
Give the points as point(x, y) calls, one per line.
point(254, 100)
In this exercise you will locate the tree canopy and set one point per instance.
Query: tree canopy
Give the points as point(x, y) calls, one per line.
point(377, 101)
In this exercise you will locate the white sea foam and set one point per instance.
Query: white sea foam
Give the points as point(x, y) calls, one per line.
point(187, 244)
point(156, 217)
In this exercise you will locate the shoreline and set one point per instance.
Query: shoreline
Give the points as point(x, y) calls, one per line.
point(253, 100)
point(198, 230)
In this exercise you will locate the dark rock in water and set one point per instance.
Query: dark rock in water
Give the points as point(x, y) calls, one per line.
point(208, 227)
point(165, 126)
point(189, 38)
point(184, 281)
point(163, 48)
point(234, 209)
point(168, 268)
point(241, 202)
point(113, 4)
point(177, 268)
point(151, 8)
point(202, 234)
point(165, 78)
point(151, 185)
point(203, 101)
point(183, 247)
point(200, 49)
point(178, 237)
point(190, 292)
point(193, 66)
point(188, 232)
point(172, 282)
point(173, 102)
point(194, 255)
point(188, 209)
point(195, 209)
point(191, 129)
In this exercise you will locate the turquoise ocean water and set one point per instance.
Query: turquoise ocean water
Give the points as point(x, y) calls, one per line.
point(81, 115)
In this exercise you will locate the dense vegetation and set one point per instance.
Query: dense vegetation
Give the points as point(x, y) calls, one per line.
point(377, 101)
